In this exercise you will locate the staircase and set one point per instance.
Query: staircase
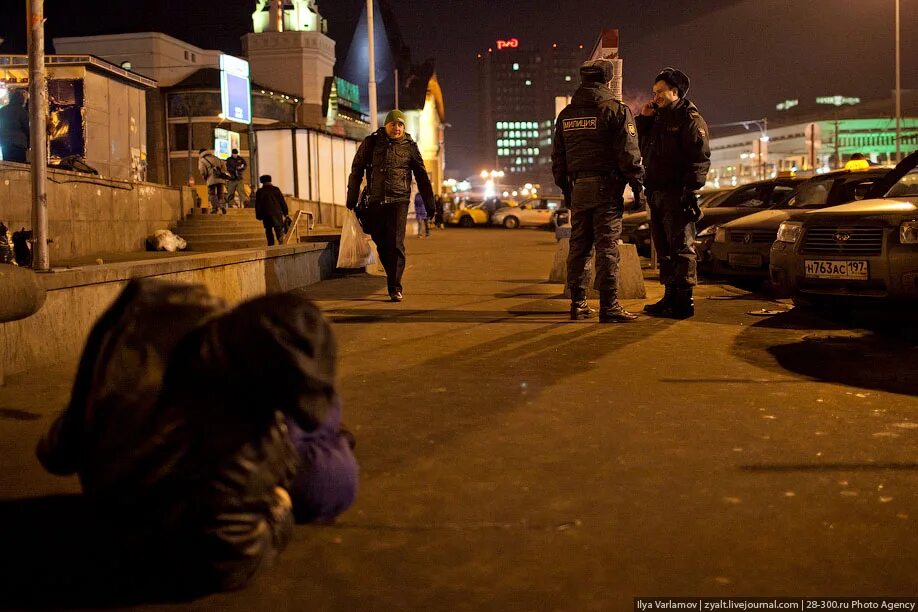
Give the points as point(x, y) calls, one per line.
point(238, 229)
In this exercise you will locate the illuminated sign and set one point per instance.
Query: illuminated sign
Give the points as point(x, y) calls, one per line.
point(508, 44)
point(224, 142)
point(787, 104)
point(837, 100)
point(235, 93)
point(348, 94)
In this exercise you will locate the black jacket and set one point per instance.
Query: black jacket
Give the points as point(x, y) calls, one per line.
point(270, 206)
point(389, 164)
point(235, 166)
point(596, 134)
point(674, 143)
point(14, 126)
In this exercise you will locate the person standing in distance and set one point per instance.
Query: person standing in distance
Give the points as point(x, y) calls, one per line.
point(389, 157)
point(595, 154)
point(674, 142)
point(235, 167)
point(14, 128)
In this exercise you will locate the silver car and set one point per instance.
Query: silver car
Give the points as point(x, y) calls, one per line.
point(531, 213)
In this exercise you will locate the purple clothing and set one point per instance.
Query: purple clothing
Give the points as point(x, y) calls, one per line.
point(420, 211)
point(325, 484)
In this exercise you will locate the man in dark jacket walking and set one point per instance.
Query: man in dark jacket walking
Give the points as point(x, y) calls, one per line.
point(389, 157)
point(270, 209)
point(14, 129)
point(674, 142)
point(595, 154)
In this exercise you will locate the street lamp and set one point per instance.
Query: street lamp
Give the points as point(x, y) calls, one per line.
point(762, 125)
point(898, 92)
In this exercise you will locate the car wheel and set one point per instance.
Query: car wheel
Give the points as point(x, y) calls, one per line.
point(466, 221)
point(511, 222)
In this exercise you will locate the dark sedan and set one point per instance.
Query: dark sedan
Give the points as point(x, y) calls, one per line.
point(636, 225)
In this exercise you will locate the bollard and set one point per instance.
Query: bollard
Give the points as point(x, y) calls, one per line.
point(630, 277)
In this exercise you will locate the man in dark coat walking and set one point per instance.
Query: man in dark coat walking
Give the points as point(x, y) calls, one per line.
point(270, 209)
point(389, 157)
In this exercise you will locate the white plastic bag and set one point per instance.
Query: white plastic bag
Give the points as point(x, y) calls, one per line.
point(354, 249)
point(164, 240)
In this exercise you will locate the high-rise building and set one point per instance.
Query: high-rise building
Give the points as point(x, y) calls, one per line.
point(517, 91)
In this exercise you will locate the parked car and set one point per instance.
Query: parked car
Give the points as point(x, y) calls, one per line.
point(531, 213)
point(740, 202)
point(861, 251)
point(468, 215)
point(741, 248)
point(636, 225)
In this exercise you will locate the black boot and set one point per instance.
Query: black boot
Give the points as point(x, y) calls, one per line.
point(610, 311)
point(579, 307)
point(683, 305)
point(661, 308)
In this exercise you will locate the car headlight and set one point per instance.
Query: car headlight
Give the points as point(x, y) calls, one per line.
point(908, 232)
point(789, 231)
point(707, 232)
point(643, 227)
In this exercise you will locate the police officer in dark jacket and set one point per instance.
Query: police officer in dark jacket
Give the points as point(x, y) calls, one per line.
point(595, 154)
point(674, 142)
point(389, 157)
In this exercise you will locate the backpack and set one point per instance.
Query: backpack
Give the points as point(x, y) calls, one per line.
point(216, 170)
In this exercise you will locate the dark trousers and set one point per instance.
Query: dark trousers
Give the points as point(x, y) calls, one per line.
point(271, 231)
point(596, 220)
point(674, 239)
point(387, 228)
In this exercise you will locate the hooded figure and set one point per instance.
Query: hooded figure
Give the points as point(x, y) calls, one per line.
point(180, 430)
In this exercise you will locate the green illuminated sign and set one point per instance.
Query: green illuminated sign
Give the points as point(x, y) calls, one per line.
point(838, 100)
point(348, 93)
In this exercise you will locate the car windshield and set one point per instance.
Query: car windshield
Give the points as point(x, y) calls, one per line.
point(907, 186)
point(812, 194)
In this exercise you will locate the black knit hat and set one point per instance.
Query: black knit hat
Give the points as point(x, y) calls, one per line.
point(674, 78)
point(597, 71)
point(264, 178)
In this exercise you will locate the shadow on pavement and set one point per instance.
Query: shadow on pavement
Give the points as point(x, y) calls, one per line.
point(400, 315)
point(869, 350)
point(54, 558)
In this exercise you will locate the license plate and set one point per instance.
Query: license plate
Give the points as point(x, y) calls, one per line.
point(744, 260)
point(829, 268)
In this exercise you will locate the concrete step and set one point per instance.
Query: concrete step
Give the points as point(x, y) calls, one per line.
point(228, 244)
point(198, 236)
point(229, 226)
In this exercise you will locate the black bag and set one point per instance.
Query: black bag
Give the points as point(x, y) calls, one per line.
point(362, 210)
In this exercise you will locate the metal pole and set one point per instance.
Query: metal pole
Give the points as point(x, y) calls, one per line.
point(374, 119)
point(38, 137)
point(396, 88)
point(898, 92)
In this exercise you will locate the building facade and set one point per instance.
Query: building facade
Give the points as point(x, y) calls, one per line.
point(517, 91)
point(812, 138)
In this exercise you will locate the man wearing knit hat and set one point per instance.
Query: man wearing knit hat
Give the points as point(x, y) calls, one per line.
point(595, 154)
point(674, 143)
point(389, 157)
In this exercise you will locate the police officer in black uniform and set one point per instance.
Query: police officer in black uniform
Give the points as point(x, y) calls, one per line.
point(674, 143)
point(595, 154)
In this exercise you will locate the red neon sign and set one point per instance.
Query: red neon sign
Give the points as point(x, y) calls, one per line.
point(508, 44)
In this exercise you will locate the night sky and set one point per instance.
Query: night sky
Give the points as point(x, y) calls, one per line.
point(743, 56)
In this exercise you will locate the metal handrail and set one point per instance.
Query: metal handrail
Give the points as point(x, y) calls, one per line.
point(294, 226)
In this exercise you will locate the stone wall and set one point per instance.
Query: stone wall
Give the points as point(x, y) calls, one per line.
point(76, 298)
point(88, 215)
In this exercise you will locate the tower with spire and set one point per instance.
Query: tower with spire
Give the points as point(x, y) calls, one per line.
point(288, 50)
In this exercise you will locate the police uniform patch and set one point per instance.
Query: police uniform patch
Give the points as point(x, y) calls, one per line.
point(631, 129)
point(578, 123)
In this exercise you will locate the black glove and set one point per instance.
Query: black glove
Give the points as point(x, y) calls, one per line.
point(640, 199)
point(690, 206)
